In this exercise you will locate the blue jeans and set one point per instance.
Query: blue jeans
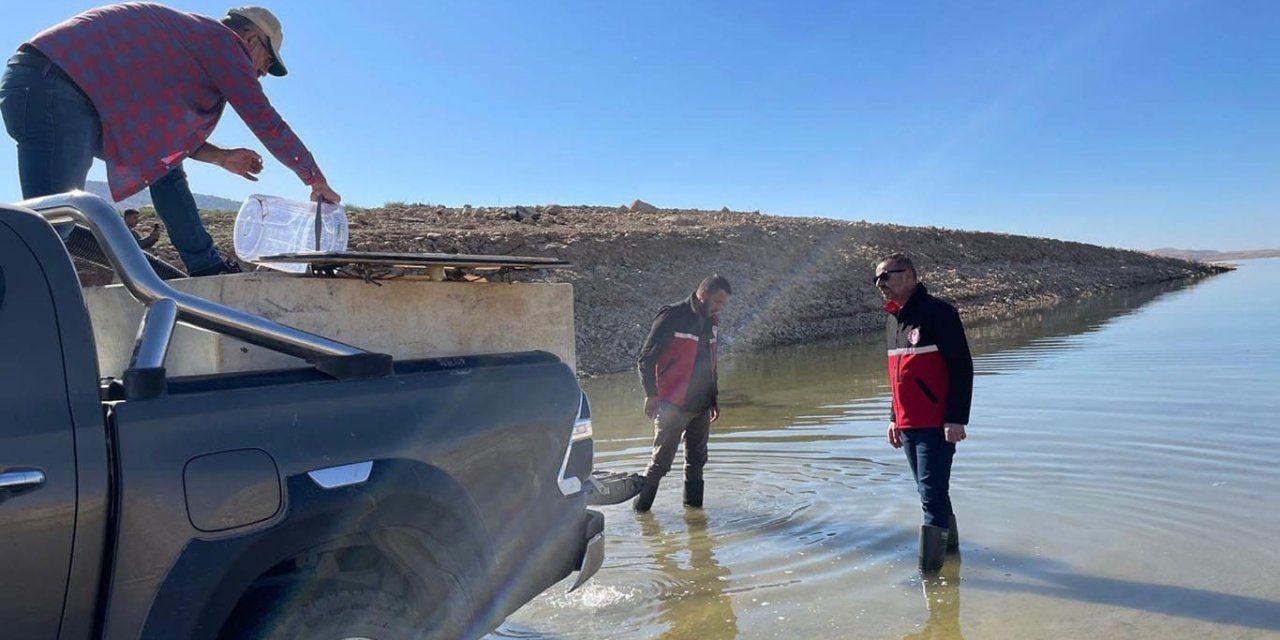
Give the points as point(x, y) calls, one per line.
point(59, 133)
point(930, 455)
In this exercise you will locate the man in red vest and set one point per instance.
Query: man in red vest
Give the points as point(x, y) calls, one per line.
point(678, 370)
point(931, 376)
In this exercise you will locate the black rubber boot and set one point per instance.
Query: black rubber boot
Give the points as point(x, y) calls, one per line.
point(953, 538)
point(693, 493)
point(648, 491)
point(933, 548)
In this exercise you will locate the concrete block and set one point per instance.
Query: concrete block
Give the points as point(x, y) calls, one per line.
point(405, 318)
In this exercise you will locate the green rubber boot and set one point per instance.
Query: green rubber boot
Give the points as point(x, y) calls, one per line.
point(693, 493)
point(933, 548)
point(648, 491)
point(953, 538)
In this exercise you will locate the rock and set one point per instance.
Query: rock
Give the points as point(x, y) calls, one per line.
point(553, 209)
point(725, 210)
point(640, 206)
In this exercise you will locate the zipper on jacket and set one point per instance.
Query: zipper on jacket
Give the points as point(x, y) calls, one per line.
point(928, 393)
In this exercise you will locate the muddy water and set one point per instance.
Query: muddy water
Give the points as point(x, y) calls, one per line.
point(1121, 480)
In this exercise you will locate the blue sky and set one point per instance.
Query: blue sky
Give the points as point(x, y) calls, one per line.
point(1132, 124)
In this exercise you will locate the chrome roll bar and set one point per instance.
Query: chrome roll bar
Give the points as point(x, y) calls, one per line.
point(166, 305)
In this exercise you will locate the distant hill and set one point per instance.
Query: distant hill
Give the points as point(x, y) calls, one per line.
point(143, 199)
point(1208, 255)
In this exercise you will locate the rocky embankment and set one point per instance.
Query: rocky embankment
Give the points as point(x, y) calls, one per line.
point(794, 279)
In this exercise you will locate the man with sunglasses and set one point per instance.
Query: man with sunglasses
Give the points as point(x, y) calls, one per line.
point(142, 86)
point(931, 377)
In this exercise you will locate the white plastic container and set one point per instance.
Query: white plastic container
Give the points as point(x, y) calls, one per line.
point(267, 226)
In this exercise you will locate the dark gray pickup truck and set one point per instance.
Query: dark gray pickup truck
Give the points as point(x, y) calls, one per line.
point(358, 497)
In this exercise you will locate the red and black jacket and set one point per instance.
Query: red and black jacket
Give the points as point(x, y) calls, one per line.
point(678, 361)
point(930, 369)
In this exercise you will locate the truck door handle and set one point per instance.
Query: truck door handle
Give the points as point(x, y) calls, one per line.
point(18, 481)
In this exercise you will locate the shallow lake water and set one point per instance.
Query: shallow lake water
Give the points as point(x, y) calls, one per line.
point(1121, 479)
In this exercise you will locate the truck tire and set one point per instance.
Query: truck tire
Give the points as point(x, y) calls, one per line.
point(350, 615)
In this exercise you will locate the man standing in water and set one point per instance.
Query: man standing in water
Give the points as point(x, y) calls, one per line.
point(931, 375)
point(678, 370)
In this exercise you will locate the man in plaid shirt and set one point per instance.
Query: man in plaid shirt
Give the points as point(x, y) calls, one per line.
point(142, 86)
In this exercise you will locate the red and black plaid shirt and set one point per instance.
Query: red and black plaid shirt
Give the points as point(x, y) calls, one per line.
point(160, 79)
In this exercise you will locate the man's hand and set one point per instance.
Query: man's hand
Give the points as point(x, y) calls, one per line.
point(242, 162)
point(320, 191)
point(715, 412)
point(245, 163)
point(651, 408)
point(895, 437)
point(155, 232)
point(953, 432)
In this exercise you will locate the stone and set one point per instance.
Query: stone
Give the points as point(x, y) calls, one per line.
point(640, 206)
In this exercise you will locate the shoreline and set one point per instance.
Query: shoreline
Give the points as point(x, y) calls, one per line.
point(795, 280)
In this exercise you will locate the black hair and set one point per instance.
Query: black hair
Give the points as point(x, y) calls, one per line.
point(715, 282)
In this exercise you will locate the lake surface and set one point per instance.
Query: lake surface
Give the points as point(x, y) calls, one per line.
point(1121, 479)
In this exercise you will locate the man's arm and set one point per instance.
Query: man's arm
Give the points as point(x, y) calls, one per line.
point(233, 73)
point(891, 328)
point(660, 334)
point(954, 347)
point(150, 240)
point(242, 162)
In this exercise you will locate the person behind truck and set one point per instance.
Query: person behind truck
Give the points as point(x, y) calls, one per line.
point(931, 380)
point(142, 86)
point(678, 370)
point(131, 220)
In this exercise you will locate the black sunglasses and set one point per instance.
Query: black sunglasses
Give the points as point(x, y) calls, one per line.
point(884, 275)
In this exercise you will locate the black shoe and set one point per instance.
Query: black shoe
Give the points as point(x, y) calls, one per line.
point(648, 491)
point(693, 493)
point(933, 547)
point(217, 269)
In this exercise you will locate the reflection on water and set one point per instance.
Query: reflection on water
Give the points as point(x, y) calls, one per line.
point(698, 607)
point(1119, 471)
point(942, 601)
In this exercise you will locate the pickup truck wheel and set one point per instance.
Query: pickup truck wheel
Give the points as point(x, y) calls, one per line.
point(352, 615)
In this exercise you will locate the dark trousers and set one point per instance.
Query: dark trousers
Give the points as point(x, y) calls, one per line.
point(672, 425)
point(59, 133)
point(930, 455)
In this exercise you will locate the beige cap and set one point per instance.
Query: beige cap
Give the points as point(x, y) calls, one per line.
point(269, 25)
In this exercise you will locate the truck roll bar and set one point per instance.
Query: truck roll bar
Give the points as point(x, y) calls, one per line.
point(166, 305)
